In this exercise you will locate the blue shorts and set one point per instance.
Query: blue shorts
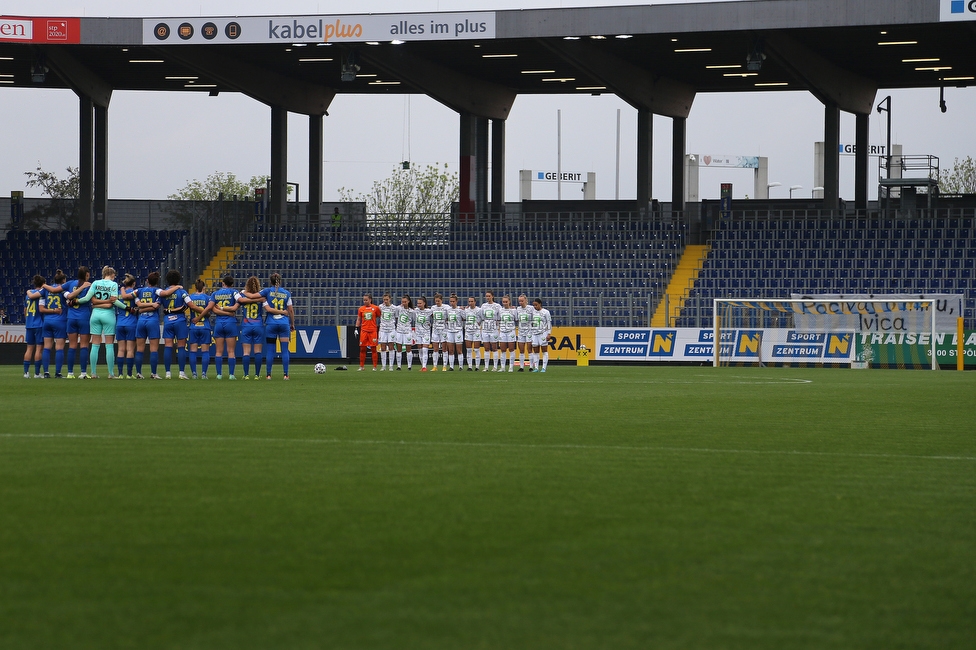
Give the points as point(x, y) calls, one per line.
point(174, 327)
point(225, 329)
point(56, 329)
point(79, 326)
point(34, 336)
point(252, 334)
point(278, 329)
point(200, 335)
point(125, 332)
point(148, 329)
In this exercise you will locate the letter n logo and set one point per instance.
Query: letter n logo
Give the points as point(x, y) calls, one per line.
point(662, 343)
point(748, 344)
point(838, 345)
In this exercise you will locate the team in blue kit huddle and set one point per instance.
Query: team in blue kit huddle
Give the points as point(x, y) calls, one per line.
point(65, 313)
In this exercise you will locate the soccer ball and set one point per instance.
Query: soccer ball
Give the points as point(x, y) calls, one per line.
point(320, 369)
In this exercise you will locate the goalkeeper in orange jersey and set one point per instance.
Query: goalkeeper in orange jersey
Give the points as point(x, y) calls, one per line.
point(366, 328)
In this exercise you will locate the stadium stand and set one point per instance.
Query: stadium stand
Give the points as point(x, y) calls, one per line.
point(24, 254)
point(770, 257)
point(590, 271)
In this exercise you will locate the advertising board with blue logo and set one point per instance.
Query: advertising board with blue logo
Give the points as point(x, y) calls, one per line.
point(737, 345)
point(952, 10)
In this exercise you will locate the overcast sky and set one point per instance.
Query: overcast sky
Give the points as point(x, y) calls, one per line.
point(157, 141)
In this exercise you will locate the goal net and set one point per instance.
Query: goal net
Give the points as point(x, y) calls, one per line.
point(856, 333)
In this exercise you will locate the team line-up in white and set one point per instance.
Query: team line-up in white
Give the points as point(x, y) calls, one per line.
point(498, 334)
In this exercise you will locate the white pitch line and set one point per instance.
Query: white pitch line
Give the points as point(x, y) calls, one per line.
point(503, 445)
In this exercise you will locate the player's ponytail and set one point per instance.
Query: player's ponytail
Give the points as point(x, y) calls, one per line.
point(275, 279)
point(200, 285)
point(59, 276)
point(129, 280)
point(83, 273)
point(253, 285)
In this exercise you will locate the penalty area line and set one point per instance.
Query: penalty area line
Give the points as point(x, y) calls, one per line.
point(501, 445)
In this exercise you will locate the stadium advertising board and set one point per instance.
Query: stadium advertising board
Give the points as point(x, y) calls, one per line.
point(690, 344)
point(953, 10)
point(19, 29)
point(13, 334)
point(862, 313)
point(319, 29)
point(565, 342)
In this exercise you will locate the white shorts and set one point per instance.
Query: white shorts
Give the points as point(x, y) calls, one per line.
point(506, 337)
point(489, 336)
point(438, 336)
point(404, 338)
point(524, 337)
point(421, 337)
point(472, 335)
point(453, 338)
point(540, 341)
point(387, 337)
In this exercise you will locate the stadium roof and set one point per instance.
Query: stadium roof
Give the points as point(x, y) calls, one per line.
point(702, 47)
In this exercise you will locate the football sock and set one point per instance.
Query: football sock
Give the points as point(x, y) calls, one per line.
point(58, 361)
point(269, 358)
point(72, 353)
point(545, 358)
point(399, 358)
point(285, 359)
point(129, 362)
point(140, 355)
point(110, 358)
point(220, 365)
point(247, 364)
point(27, 367)
point(181, 358)
point(37, 365)
point(362, 357)
point(154, 361)
point(193, 362)
point(409, 359)
point(231, 365)
point(374, 356)
point(83, 358)
point(46, 359)
point(423, 357)
point(206, 360)
point(168, 358)
point(435, 358)
point(494, 358)
point(95, 349)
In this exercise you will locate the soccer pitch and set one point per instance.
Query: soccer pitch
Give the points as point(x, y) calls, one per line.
point(600, 507)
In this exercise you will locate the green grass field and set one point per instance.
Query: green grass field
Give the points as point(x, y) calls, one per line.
point(601, 507)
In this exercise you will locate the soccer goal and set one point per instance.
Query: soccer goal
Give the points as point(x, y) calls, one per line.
point(855, 333)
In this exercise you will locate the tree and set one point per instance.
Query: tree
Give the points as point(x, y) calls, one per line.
point(415, 191)
point(217, 184)
point(60, 211)
point(198, 198)
point(960, 178)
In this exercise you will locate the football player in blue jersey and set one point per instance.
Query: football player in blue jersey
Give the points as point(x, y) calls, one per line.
point(55, 324)
point(280, 323)
point(148, 302)
point(175, 329)
point(252, 324)
point(79, 322)
point(125, 327)
point(200, 333)
point(224, 303)
point(34, 322)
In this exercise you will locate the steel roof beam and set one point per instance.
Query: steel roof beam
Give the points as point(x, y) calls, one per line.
point(637, 86)
point(828, 82)
point(77, 75)
point(456, 90)
point(259, 83)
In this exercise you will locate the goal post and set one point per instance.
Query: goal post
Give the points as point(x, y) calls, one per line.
point(876, 332)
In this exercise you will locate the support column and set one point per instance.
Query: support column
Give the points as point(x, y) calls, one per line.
point(100, 177)
point(831, 156)
point(861, 160)
point(481, 165)
point(498, 167)
point(679, 128)
point(466, 168)
point(316, 153)
point(645, 156)
point(86, 162)
point(278, 202)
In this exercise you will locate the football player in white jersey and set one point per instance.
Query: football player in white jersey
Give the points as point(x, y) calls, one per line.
point(454, 335)
point(524, 313)
point(421, 332)
point(508, 317)
point(472, 333)
point(387, 330)
point(541, 328)
point(406, 317)
point(438, 329)
point(490, 313)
